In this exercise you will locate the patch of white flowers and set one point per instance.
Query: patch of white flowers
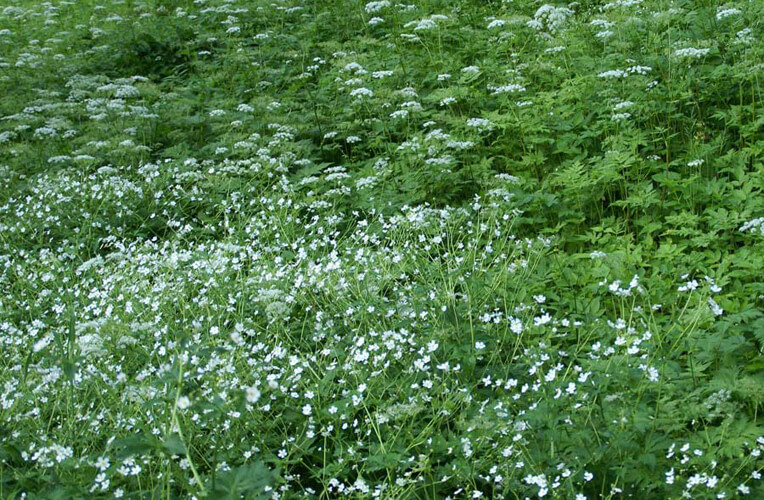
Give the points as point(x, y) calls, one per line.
point(691, 52)
point(550, 17)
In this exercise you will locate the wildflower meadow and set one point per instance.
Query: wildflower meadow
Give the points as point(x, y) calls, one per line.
point(326, 249)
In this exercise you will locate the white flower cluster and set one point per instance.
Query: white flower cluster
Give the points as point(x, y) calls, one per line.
point(753, 226)
point(510, 88)
point(624, 73)
point(361, 92)
point(744, 36)
point(48, 456)
point(550, 17)
point(480, 123)
point(722, 13)
point(691, 52)
point(616, 289)
point(376, 6)
point(621, 4)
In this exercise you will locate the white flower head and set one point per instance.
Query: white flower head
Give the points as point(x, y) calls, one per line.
point(183, 402)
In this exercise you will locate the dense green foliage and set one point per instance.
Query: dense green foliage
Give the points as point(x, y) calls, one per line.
point(337, 248)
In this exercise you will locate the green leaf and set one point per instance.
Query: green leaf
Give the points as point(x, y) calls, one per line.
point(136, 445)
point(383, 461)
point(248, 480)
point(174, 445)
point(450, 315)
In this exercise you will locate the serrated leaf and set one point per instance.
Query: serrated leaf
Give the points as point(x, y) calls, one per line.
point(248, 480)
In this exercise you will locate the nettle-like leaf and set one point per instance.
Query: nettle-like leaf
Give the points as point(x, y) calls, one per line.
point(251, 481)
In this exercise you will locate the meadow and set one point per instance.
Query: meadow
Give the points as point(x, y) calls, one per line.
point(446, 249)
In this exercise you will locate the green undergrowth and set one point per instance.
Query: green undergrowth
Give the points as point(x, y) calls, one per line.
point(341, 249)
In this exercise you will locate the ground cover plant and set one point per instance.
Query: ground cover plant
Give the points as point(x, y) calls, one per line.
point(347, 249)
